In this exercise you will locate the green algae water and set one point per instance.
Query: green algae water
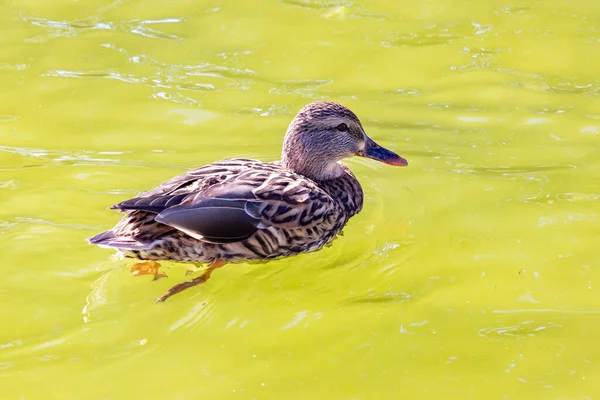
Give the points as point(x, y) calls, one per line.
point(472, 273)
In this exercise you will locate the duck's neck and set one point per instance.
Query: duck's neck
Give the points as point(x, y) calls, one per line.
point(315, 169)
point(311, 157)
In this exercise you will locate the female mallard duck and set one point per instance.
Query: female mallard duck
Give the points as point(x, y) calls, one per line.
point(239, 209)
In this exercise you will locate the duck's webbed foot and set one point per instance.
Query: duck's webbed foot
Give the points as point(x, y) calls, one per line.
point(147, 268)
point(196, 281)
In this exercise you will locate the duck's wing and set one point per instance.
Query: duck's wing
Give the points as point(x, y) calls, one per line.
point(174, 190)
point(234, 209)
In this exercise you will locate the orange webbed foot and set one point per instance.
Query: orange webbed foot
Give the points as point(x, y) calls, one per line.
point(147, 268)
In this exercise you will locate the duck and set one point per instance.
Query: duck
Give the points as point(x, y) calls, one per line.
point(242, 210)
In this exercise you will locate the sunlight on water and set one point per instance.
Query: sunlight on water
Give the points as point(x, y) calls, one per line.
point(469, 274)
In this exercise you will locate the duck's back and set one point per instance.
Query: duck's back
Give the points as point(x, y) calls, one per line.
point(233, 210)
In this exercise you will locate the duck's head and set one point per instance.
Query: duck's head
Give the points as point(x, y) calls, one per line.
point(322, 134)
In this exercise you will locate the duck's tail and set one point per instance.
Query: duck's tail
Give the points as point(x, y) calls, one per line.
point(110, 240)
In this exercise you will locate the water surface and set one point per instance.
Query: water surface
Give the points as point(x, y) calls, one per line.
point(469, 274)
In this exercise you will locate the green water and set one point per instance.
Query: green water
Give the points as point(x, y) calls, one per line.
point(472, 273)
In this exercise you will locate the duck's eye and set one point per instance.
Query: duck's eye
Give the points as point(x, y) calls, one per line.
point(342, 127)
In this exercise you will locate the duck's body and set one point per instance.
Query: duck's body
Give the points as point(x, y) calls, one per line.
point(234, 210)
point(238, 209)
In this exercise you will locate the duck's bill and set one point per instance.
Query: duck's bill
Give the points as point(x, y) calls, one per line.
point(376, 152)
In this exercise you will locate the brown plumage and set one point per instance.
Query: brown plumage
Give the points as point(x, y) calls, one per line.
point(241, 209)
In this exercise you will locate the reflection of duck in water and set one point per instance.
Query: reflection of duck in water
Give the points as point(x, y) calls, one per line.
point(238, 209)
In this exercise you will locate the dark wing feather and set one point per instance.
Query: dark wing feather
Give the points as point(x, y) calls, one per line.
point(217, 215)
point(174, 190)
point(151, 204)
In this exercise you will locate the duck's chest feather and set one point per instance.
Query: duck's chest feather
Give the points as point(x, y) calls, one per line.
point(345, 191)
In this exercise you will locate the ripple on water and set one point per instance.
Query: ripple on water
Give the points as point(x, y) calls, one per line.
point(514, 9)
point(97, 297)
point(62, 29)
point(198, 315)
point(10, 184)
point(9, 118)
point(6, 365)
point(521, 170)
point(418, 40)
point(108, 74)
point(572, 88)
point(302, 319)
point(67, 25)
point(314, 5)
point(270, 111)
point(306, 88)
point(337, 9)
point(525, 328)
point(152, 33)
point(68, 157)
point(5, 226)
point(552, 198)
point(374, 298)
point(169, 81)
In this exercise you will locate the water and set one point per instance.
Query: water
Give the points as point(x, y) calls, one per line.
point(469, 274)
